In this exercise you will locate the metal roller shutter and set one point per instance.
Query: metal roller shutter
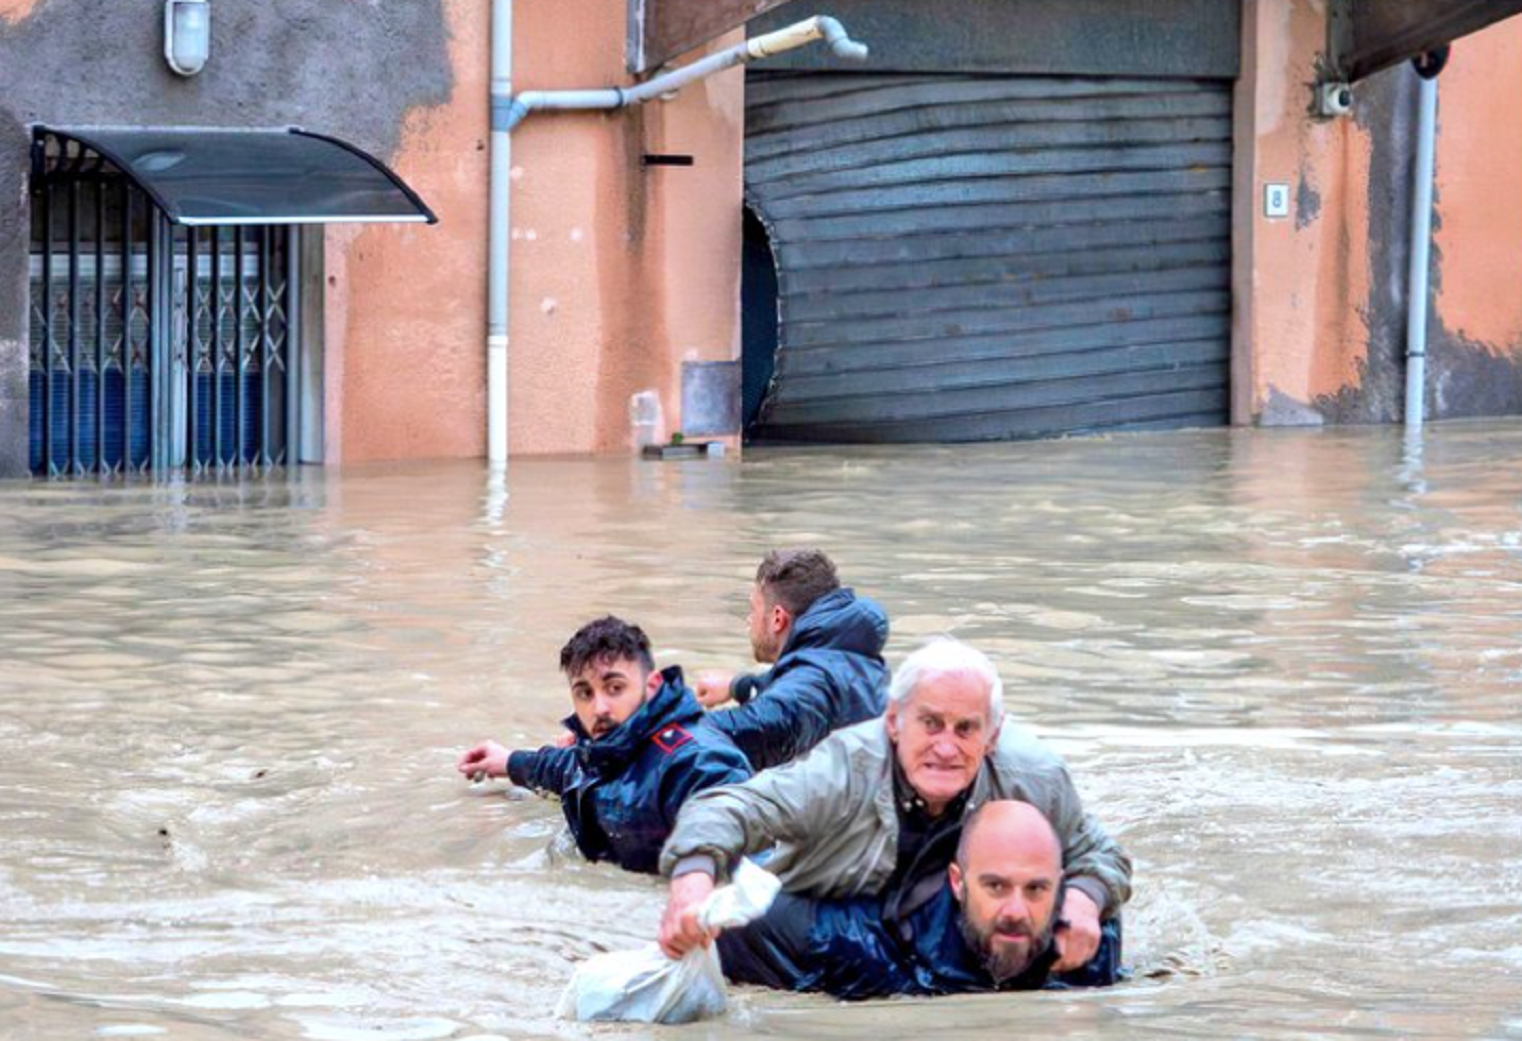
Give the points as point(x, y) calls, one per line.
point(989, 257)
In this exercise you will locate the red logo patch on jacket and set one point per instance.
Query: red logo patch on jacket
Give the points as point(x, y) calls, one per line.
point(670, 739)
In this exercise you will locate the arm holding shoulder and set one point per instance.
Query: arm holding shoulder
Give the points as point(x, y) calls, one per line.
point(787, 804)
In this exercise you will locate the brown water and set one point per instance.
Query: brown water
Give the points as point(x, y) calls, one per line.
point(1285, 668)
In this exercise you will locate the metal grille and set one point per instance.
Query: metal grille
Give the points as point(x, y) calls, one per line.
point(983, 257)
point(154, 346)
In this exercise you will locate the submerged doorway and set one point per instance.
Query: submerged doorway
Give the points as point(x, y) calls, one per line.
point(165, 311)
point(156, 346)
point(968, 257)
point(758, 319)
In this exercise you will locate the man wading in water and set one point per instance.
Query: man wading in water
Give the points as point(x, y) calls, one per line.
point(877, 809)
point(825, 645)
point(990, 926)
point(641, 746)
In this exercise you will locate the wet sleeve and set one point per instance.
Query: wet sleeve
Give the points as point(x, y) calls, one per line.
point(772, 951)
point(549, 769)
point(704, 768)
point(746, 686)
point(793, 803)
point(1091, 860)
point(793, 715)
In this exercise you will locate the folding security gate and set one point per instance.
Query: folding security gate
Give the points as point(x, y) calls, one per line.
point(969, 257)
point(154, 345)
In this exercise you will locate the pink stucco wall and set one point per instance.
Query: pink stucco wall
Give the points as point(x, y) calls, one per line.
point(406, 304)
point(618, 272)
point(1300, 281)
point(1305, 287)
point(1478, 238)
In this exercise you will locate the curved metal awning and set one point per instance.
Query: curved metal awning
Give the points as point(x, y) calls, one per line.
point(208, 176)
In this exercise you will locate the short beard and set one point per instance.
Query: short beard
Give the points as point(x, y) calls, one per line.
point(1004, 968)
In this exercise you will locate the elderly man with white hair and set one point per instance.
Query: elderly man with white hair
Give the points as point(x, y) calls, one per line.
point(877, 808)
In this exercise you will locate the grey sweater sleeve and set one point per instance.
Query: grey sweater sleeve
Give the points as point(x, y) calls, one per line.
point(731, 821)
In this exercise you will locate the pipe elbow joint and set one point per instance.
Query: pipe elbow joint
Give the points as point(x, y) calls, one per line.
point(840, 42)
point(517, 112)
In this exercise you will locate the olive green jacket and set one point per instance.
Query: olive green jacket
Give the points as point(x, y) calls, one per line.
point(832, 819)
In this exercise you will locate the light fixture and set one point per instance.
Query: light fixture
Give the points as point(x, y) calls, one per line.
point(187, 35)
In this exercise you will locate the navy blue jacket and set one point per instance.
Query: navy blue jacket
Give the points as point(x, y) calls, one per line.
point(621, 792)
point(850, 949)
point(829, 675)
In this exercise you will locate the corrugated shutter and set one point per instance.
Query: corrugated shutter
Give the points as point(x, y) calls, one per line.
point(989, 257)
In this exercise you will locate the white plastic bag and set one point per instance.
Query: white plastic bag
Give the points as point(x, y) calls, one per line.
point(645, 986)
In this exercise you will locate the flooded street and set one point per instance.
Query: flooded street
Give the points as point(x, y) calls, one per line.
point(1285, 667)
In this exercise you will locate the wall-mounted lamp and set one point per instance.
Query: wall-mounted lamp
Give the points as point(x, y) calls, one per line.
point(187, 35)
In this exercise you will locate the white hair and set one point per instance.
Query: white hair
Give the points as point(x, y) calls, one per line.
point(942, 656)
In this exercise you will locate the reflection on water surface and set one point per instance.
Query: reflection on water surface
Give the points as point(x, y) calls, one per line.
point(1284, 666)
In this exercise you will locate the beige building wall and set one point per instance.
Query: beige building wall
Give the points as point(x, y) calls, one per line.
point(1298, 281)
point(1317, 292)
point(1478, 222)
point(405, 308)
point(619, 272)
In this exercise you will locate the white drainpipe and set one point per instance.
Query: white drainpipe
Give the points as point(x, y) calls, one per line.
point(508, 111)
point(1421, 245)
point(796, 35)
point(498, 238)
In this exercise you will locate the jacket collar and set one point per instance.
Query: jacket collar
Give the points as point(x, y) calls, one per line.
point(940, 928)
point(840, 621)
point(612, 753)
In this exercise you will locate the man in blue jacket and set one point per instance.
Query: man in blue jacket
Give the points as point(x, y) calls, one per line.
point(641, 746)
point(990, 927)
point(826, 646)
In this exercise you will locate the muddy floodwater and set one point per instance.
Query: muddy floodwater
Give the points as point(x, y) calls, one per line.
point(1285, 667)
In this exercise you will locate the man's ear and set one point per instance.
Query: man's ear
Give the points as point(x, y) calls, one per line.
point(993, 737)
point(891, 719)
point(954, 875)
point(782, 619)
point(653, 682)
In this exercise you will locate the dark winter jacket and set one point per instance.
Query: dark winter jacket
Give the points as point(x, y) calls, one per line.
point(830, 674)
point(621, 792)
point(851, 949)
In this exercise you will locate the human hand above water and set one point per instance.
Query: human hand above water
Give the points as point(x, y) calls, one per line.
point(1077, 936)
point(712, 687)
point(680, 930)
point(487, 759)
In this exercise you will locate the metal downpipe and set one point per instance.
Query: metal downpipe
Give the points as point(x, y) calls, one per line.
point(498, 238)
point(1418, 281)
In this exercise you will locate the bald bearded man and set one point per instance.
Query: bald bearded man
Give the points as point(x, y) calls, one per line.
point(990, 928)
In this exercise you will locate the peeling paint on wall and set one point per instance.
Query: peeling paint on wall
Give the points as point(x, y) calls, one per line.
point(1330, 302)
point(1307, 202)
point(1468, 378)
point(14, 245)
point(1281, 410)
point(349, 69)
point(415, 382)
